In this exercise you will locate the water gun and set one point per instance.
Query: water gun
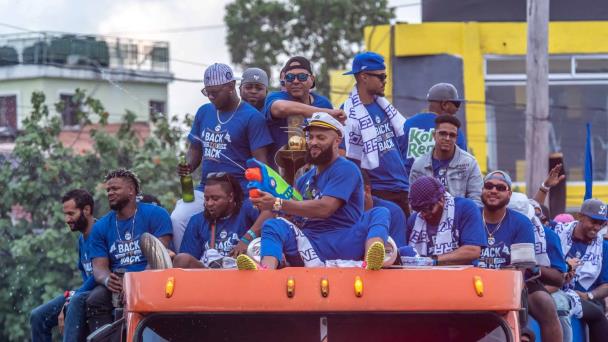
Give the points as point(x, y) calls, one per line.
point(263, 177)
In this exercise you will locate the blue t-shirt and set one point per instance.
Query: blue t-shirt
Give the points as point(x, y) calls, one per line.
point(341, 180)
point(554, 251)
point(227, 231)
point(223, 145)
point(578, 250)
point(85, 265)
point(390, 175)
point(467, 221)
point(515, 228)
point(277, 126)
point(120, 243)
point(440, 169)
point(396, 230)
point(418, 138)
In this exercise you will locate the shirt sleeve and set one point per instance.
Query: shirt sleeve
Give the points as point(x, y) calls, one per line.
point(195, 131)
point(88, 285)
point(525, 233)
point(322, 102)
point(469, 223)
point(461, 140)
point(270, 100)
point(192, 242)
point(161, 222)
point(258, 133)
point(554, 251)
point(97, 246)
point(342, 181)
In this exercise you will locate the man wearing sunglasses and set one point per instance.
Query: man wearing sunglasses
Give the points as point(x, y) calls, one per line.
point(444, 228)
point(456, 169)
point(373, 127)
point(296, 100)
point(442, 99)
point(225, 133)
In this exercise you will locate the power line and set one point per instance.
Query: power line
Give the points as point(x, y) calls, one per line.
point(16, 27)
point(406, 5)
point(175, 30)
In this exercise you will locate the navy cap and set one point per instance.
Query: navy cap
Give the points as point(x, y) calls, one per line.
point(595, 209)
point(366, 61)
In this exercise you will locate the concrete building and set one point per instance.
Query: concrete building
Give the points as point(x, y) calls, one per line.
point(124, 74)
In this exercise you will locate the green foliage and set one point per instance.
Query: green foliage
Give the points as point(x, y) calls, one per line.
point(328, 32)
point(38, 256)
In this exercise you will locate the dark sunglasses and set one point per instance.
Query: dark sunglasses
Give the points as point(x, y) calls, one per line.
point(456, 103)
point(217, 175)
point(381, 77)
point(425, 209)
point(214, 92)
point(302, 77)
point(499, 187)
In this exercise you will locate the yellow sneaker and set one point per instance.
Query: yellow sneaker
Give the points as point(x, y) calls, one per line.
point(245, 263)
point(374, 257)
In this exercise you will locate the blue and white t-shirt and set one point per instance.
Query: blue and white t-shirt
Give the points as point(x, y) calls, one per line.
point(578, 250)
point(390, 175)
point(341, 180)
point(418, 139)
point(227, 231)
point(515, 228)
point(396, 230)
point(467, 221)
point(277, 126)
point(440, 170)
point(118, 240)
point(85, 265)
point(223, 145)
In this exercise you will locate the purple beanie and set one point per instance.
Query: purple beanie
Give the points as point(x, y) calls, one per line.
point(425, 191)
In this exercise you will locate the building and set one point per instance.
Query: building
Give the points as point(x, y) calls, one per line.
point(124, 74)
point(480, 47)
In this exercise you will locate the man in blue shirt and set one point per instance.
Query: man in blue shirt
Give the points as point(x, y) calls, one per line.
point(115, 242)
point(418, 139)
point(78, 208)
point(444, 228)
point(254, 87)
point(333, 224)
point(373, 127)
point(224, 229)
point(295, 102)
point(225, 133)
point(587, 254)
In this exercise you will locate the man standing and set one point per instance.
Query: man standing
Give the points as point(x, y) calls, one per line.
point(447, 229)
point(372, 129)
point(334, 225)
point(254, 87)
point(442, 99)
point(456, 169)
point(586, 252)
point(296, 100)
point(225, 133)
point(78, 208)
point(115, 242)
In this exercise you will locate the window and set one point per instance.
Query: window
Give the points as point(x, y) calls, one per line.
point(157, 109)
point(69, 111)
point(8, 114)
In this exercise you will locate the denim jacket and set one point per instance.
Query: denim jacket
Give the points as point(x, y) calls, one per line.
point(463, 175)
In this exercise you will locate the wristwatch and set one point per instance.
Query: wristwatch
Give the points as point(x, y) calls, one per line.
point(590, 295)
point(278, 205)
point(544, 188)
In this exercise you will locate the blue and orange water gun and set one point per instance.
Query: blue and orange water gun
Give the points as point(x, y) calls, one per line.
point(263, 177)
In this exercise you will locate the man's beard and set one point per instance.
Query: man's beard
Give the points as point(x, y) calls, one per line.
point(81, 224)
point(323, 158)
point(121, 203)
point(496, 207)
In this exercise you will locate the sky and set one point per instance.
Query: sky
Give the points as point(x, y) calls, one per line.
point(190, 51)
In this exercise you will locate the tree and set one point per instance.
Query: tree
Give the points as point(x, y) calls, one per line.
point(329, 32)
point(38, 253)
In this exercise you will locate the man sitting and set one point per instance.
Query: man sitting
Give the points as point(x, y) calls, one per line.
point(223, 229)
point(587, 253)
point(445, 228)
point(334, 226)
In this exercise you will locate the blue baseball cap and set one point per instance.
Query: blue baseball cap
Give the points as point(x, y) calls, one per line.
point(366, 61)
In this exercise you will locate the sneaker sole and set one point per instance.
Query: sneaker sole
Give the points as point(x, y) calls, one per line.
point(374, 258)
point(155, 252)
point(245, 263)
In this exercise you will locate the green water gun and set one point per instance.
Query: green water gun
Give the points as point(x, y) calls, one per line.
point(263, 177)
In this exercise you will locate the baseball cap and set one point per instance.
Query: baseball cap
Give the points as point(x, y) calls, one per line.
point(425, 191)
point(499, 175)
point(443, 92)
point(325, 120)
point(302, 63)
point(254, 75)
point(218, 74)
point(595, 209)
point(366, 61)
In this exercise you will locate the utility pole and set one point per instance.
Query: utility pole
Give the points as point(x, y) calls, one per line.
point(537, 95)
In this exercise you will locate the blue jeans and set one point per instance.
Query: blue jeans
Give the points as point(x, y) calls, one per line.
point(44, 318)
point(76, 318)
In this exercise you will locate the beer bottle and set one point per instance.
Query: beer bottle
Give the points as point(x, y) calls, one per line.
point(187, 185)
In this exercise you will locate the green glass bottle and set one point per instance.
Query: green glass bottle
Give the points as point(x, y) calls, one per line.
point(187, 184)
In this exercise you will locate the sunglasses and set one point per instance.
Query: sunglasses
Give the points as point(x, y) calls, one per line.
point(427, 209)
point(217, 175)
point(302, 77)
point(213, 92)
point(381, 77)
point(445, 135)
point(456, 103)
point(499, 187)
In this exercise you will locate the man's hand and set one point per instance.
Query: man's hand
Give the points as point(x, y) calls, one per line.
point(554, 178)
point(61, 319)
point(184, 169)
point(583, 295)
point(263, 202)
point(338, 114)
point(240, 248)
point(114, 283)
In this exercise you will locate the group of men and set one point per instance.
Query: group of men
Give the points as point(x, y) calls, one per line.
point(373, 179)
